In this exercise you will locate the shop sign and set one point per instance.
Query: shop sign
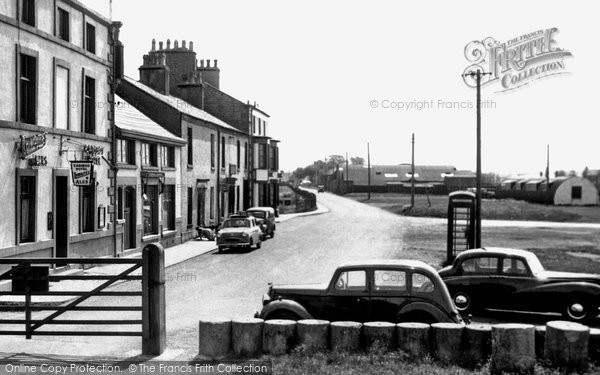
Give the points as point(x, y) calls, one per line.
point(38, 161)
point(30, 144)
point(82, 172)
point(93, 153)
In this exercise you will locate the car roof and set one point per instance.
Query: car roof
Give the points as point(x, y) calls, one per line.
point(497, 251)
point(261, 209)
point(407, 263)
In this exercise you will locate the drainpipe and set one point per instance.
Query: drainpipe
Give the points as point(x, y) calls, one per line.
point(218, 198)
point(116, 74)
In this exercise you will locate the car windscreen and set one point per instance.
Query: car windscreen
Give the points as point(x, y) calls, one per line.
point(236, 223)
point(535, 265)
point(258, 214)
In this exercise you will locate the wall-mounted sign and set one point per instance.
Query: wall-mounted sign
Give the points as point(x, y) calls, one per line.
point(38, 161)
point(82, 172)
point(29, 144)
point(261, 175)
point(93, 153)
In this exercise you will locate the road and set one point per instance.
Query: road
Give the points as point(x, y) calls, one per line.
point(230, 284)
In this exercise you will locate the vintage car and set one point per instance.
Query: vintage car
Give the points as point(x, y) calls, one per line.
point(239, 231)
point(386, 290)
point(265, 217)
point(320, 189)
point(515, 280)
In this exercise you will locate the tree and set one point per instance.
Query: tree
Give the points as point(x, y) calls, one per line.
point(357, 160)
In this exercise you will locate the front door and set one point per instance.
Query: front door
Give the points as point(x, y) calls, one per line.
point(349, 298)
point(61, 218)
point(129, 216)
point(201, 199)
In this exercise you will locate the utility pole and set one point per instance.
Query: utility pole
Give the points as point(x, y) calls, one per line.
point(477, 75)
point(412, 173)
point(346, 166)
point(548, 167)
point(369, 171)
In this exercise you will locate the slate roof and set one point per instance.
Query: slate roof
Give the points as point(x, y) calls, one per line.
point(382, 175)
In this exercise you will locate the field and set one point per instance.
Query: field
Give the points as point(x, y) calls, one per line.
point(492, 209)
point(558, 248)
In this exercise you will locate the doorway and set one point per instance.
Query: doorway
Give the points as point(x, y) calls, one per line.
point(200, 213)
point(129, 235)
point(61, 216)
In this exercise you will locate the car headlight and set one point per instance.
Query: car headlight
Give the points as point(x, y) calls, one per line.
point(244, 235)
point(219, 234)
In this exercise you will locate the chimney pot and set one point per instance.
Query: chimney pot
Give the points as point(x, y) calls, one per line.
point(168, 43)
point(215, 63)
point(183, 44)
point(160, 45)
point(208, 63)
point(153, 44)
point(191, 45)
point(202, 63)
point(176, 44)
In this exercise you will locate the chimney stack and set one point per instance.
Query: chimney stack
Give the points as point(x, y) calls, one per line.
point(210, 74)
point(154, 73)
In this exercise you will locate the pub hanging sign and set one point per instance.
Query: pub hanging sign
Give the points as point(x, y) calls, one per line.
point(82, 172)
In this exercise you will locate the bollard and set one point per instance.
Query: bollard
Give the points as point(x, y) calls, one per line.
point(567, 345)
point(246, 337)
point(447, 341)
point(414, 339)
point(345, 336)
point(379, 335)
point(313, 334)
point(214, 338)
point(279, 336)
point(477, 344)
point(513, 348)
point(540, 339)
point(154, 332)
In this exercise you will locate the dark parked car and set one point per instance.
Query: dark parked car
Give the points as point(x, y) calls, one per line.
point(320, 189)
point(265, 217)
point(510, 279)
point(388, 290)
point(239, 231)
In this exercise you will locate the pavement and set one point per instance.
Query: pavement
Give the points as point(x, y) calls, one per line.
point(173, 255)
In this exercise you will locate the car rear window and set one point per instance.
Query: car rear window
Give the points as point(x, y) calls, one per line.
point(480, 265)
point(422, 283)
point(513, 266)
point(352, 280)
point(390, 280)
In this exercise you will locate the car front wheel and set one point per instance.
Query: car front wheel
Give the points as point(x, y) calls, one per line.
point(272, 233)
point(463, 302)
point(577, 309)
point(258, 244)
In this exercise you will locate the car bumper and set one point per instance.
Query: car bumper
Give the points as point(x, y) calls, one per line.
point(233, 241)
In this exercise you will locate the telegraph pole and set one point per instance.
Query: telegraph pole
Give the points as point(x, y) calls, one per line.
point(346, 166)
point(369, 171)
point(548, 167)
point(412, 173)
point(477, 75)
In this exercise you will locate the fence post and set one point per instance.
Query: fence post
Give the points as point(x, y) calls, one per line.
point(154, 333)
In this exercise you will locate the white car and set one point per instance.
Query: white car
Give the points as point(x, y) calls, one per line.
point(239, 231)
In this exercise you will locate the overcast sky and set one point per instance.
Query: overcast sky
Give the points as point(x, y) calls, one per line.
point(317, 66)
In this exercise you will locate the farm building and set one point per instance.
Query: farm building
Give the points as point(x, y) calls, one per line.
point(572, 191)
point(397, 178)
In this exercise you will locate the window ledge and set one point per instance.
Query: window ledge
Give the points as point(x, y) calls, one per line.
point(169, 233)
point(149, 168)
point(126, 166)
point(151, 238)
point(169, 168)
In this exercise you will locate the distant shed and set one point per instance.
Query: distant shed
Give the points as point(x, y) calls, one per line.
point(575, 191)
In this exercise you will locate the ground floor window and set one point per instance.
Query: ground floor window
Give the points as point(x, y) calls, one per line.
point(87, 206)
point(27, 209)
point(150, 210)
point(168, 207)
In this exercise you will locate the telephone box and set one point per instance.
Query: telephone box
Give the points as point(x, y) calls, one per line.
point(461, 223)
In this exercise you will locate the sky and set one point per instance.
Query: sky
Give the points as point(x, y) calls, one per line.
point(329, 72)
